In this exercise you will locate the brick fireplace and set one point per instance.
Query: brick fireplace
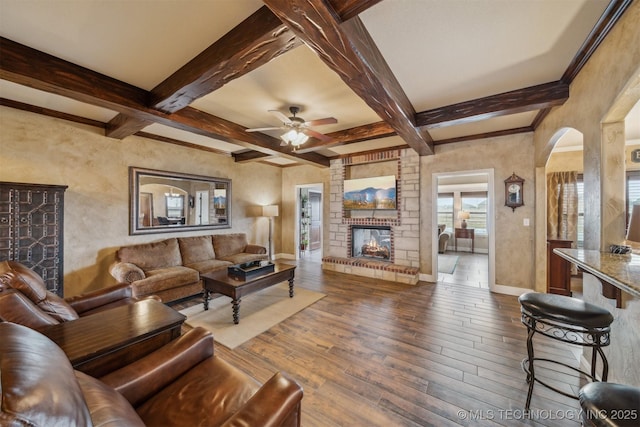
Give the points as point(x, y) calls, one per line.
point(394, 253)
point(372, 241)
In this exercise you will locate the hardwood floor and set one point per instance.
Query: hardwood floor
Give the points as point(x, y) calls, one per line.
point(472, 269)
point(376, 353)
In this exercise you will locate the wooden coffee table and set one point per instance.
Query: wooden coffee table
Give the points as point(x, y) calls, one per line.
point(105, 341)
point(219, 282)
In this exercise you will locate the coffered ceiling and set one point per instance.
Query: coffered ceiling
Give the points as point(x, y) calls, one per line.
point(414, 73)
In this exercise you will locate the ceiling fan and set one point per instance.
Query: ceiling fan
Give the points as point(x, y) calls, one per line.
point(297, 129)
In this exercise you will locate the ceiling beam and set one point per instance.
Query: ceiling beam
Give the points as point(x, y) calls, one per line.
point(50, 113)
point(494, 134)
point(249, 45)
point(348, 49)
point(347, 9)
point(516, 101)
point(24, 65)
point(349, 136)
point(249, 156)
point(607, 21)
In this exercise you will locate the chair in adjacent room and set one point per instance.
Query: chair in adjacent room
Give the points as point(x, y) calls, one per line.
point(443, 238)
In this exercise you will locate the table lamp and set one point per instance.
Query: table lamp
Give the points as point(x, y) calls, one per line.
point(464, 216)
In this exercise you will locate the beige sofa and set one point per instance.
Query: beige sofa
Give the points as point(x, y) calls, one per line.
point(171, 268)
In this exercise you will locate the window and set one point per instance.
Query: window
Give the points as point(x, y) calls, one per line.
point(476, 204)
point(175, 206)
point(633, 193)
point(445, 209)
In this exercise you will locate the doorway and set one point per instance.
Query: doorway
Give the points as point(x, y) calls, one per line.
point(309, 222)
point(464, 241)
point(201, 208)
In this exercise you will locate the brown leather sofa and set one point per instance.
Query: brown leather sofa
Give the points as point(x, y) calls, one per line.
point(24, 299)
point(181, 384)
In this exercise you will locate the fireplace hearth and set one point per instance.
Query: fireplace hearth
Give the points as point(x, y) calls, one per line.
point(371, 242)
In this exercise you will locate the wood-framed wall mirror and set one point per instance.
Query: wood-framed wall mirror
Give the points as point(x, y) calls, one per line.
point(162, 202)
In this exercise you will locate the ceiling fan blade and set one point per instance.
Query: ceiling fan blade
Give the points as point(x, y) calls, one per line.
point(322, 137)
point(319, 122)
point(262, 129)
point(284, 119)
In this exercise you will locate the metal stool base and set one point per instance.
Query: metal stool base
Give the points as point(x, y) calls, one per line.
point(525, 368)
point(586, 337)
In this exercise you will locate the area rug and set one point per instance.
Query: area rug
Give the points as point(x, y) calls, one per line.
point(447, 263)
point(258, 312)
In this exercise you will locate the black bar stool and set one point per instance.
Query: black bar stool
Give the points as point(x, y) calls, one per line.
point(609, 404)
point(568, 320)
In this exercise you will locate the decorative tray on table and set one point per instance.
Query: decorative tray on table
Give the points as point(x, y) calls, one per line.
point(251, 269)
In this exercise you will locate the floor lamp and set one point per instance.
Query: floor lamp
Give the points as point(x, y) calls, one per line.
point(270, 211)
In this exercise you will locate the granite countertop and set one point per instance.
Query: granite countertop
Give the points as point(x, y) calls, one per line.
point(622, 271)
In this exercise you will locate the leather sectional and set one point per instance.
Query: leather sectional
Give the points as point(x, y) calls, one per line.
point(171, 268)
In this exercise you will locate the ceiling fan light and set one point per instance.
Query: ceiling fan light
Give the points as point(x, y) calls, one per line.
point(300, 139)
point(294, 137)
point(290, 135)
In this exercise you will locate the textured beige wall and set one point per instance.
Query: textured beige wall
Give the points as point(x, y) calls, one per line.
point(624, 352)
point(39, 149)
point(604, 91)
point(505, 155)
point(572, 160)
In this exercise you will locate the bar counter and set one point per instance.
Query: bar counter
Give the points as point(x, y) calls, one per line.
point(622, 271)
point(604, 272)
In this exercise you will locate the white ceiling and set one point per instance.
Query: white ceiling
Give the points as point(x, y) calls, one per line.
point(441, 52)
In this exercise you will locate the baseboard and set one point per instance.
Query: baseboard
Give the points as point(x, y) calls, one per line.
point(427, 278)
point(284, 256)
point(509, 290)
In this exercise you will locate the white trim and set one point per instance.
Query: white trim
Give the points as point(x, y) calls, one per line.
point(317, 188)
point(490, 219)
point(510, 290)
point(427, 278)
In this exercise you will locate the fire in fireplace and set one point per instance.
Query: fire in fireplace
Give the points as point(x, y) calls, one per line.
point(371, 242)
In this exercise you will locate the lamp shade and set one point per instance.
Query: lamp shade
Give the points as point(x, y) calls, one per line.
point(294, 138)
point(463, 215)
point(633, 232)
point(270, 210)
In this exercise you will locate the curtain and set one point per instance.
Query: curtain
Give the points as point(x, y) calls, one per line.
point(562, 206)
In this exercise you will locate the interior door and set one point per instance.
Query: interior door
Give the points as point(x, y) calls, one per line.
point(202, 207)
point(315, 226)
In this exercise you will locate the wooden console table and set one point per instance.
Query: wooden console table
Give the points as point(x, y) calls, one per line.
point(464, 233)
point(105, 341)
